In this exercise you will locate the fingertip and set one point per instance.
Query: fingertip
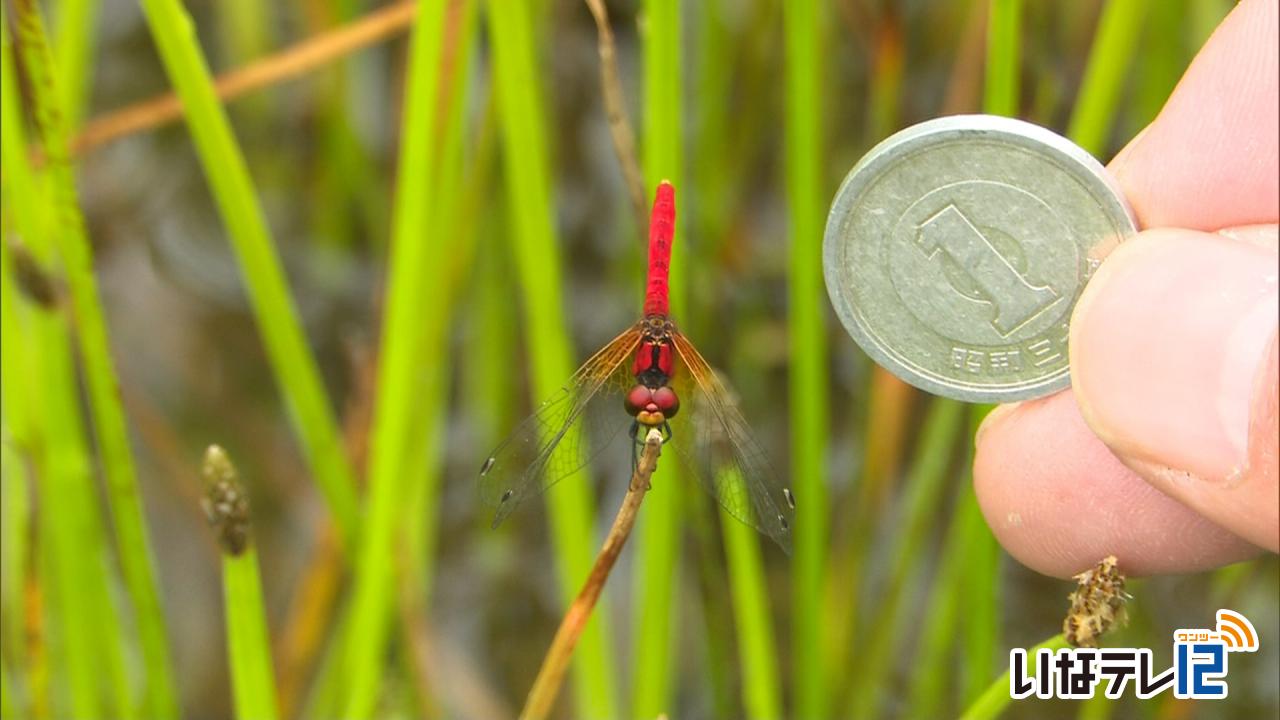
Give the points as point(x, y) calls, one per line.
point(1058, 500)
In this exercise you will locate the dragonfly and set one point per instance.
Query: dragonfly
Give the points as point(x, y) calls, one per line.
point(711, 436)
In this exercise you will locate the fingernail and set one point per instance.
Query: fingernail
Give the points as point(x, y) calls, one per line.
point(1167, 343)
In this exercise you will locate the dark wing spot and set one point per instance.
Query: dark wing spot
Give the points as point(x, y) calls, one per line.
point(785, 525)
point(488, 465)
point(505, 496)
point(791, 499)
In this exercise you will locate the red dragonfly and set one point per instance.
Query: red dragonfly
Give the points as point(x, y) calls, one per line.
point(664, 368)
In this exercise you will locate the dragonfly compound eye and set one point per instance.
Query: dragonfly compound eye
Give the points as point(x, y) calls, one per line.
point(666, 400)
point(638, 399)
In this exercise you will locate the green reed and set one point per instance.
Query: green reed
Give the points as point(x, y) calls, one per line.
point(73, 55)
point(803, 22)
point(55, 229)
point(227, 509)
point(241, 211)
point(1114, 43)
point(413, 332)
point(550, 351)
point(657, 547)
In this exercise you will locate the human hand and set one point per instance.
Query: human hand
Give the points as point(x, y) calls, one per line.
point(1164, 453)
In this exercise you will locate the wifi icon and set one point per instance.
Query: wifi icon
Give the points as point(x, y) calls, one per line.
point(1236, 632)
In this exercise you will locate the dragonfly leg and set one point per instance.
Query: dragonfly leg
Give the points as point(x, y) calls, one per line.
point(666, 432)
point(635, 445)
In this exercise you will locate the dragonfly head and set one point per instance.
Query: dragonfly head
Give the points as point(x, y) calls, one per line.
point(652, 406)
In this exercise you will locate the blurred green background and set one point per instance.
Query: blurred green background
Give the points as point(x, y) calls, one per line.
point(359, 275)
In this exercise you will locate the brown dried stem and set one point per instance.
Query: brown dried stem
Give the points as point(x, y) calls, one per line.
point(291, 62)
point(624, 139)
point(551, 676)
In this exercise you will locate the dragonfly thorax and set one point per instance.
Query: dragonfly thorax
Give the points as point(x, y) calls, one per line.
point(654, 364)
point(652, 401)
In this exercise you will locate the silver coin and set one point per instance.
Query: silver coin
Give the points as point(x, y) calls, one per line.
point(956, 249)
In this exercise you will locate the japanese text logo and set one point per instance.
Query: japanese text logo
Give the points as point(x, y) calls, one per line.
point(1199, 666)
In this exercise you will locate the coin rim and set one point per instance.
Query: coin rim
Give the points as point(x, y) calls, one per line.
point(1073, 159)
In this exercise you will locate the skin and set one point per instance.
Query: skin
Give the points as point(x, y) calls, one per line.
point(1164, 452)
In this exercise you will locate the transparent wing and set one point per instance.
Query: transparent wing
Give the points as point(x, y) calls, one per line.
point(547, 446)
point(724, 455)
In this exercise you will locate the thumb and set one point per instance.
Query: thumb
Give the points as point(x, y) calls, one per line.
point(1173, 363)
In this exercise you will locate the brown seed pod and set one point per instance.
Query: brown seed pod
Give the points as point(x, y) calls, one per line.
point(225, 504)
point(1097, 605)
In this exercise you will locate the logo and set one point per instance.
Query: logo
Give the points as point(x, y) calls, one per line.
point(1199, 668)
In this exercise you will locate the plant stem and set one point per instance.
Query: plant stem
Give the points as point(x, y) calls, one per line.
point(996, 697)
point(1001, 91)
point(1114, 42)
point(295, 61)
point(808, 377)
point(109, 419)
point(414, 329)
point(551, 675)
point(657, 568)
point(615, 108)
point(537, 261)
point(248, 650)
point(73, 46)
point(294, 366)
point(761, 694)
point(922, 496)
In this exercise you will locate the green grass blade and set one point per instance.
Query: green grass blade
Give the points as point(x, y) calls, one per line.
point(708, 215)
point(1098, 707)
point(19, 411)
point(1118, 34)
point(413, 333)
point(887, 71)
point(15, 524)
point(73, 46)
point(15, 502)
point(244, 30)
point(453, 212)
point(528, 187)
point(658, 528)
point(110, 424)
point(16, 413)
point(1001, 91)
point(92, 645)
point(1204, 16)
point(996, 697)
point(761, 694)
point(243, 36)
point(981, 596)
point(247, 648)
point(921, 499)
point(1160, 62)
point(9, 701)
point(72, 541)
point(286, 344)
point(803, 22)
point(248, 651)
point(933, 670)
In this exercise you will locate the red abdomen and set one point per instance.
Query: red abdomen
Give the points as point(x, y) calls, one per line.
point(662, 227)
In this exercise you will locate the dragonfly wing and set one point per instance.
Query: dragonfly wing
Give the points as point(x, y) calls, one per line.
point(551, 443)
point(726, 458)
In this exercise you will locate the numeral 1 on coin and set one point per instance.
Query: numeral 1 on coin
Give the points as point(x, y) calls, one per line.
point(1016, 300)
